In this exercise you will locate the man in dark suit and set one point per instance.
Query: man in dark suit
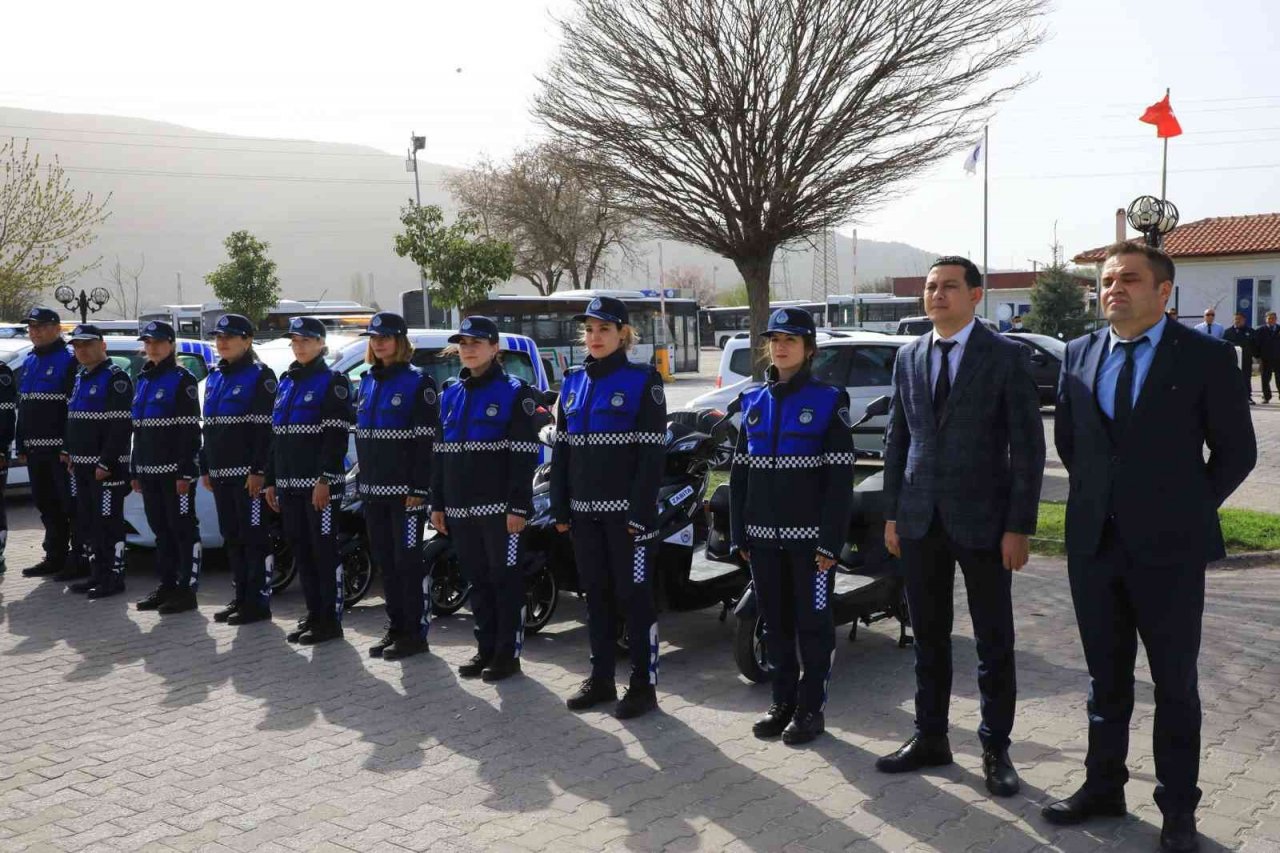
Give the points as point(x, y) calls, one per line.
point(1137, 403)
point(1240, 335)
point(963, 462)
point(1267, 341)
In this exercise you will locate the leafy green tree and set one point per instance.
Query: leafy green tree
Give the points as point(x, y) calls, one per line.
point(1057, 304)
point(463, 264)
point(247, 284)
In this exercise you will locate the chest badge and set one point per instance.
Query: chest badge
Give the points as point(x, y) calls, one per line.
point(309, 396)
point(395, 401)
point(48, 371)
point(236, 390)
point(753, 418)
point(93, 389)
point(806, 416)
point(159, 393)
point(492, 410)
point(568, 404)
point(617, 400)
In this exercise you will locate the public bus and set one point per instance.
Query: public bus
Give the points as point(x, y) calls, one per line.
point(549, 321)
point(185, 319)
point(340, 316)
point(872, 312)
point(718, 325)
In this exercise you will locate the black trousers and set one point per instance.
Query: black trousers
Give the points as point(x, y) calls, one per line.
point(100, 524)
point(395, 546)
point(4, 513)
point(246, 541)
point(313, 539)
point(173, 520)
point(1246, 367)
point(489, 558)
point(1270, 369)
point(1117, 600)
point(795, 600)
point(616, 572)
point(51, 491)
point(929, 569)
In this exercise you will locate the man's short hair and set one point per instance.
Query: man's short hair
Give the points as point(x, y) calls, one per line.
point(972, 275)
point(1161, 264)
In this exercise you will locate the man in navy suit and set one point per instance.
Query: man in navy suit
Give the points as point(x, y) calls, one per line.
point(964, 457)
point(1137, 403)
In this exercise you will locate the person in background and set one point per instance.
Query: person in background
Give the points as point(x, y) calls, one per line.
point(1241, 336)
point(1267, 342)
point(1016, 324)
point(1209, 327)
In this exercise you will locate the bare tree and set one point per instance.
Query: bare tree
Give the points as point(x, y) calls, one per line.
point(125, 286)
point(558, 219)
point(741, 125)
point(692, 278)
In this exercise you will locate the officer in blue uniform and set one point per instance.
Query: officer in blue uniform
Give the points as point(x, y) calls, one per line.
point(305, 473)
point(238, 398)
point(166, 447)
point(396, 423)
point(96, 452)
point(48, 372)
point(606, 468)
point(482, 491)
point(8, 423)
point(790, 490)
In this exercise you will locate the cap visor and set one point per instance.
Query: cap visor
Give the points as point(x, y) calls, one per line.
point(460, 337)
point(303, 335)
point(85, 338)
point(597, 315)
point(787, 330)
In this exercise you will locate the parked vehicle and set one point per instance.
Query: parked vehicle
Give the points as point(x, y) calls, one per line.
point(1047, 354)
point(917, 326)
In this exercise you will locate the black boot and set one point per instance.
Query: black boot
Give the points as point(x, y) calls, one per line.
point(44, 568)
point(1084, 804)
point(804, 727)
point(73, 570)
point(157, 597)
point(591, 693)
point(81, 587)
point(388, 637)
point(1178, 835)
point(502, 667)
point(225, 613)
point(105, 589)
point(322, 632)
point(640, 698)
point(295, 635)
point(180, 600)
point(474, 668)
point(774, 720)
point(1002, 779)
point(919, 751)
point(406, 646)
point(249, 615)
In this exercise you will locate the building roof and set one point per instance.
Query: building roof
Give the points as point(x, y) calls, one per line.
point(914, 285)
point(1258, 234)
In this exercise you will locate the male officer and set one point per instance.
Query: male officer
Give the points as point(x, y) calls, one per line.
point(97, 455)
point(47, 374)
point(964, 456)
point(1267, 339)
point(1137, 403)
point(1240, 335)
point(8, 422)
point(1209, 327)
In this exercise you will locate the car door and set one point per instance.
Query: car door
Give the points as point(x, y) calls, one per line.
point(870, 375)
point(1044, 367)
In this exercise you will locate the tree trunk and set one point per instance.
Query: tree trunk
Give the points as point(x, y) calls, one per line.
point(755, 272)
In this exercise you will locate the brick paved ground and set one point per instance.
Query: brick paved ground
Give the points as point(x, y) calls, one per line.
point(121, 730)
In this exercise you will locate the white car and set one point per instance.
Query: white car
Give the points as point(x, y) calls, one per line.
point(862, 362)
point(736, 358)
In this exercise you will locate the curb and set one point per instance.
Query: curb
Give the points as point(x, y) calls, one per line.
point(1247, 560)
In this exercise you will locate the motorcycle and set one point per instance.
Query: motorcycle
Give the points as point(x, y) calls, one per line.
point(867, 586)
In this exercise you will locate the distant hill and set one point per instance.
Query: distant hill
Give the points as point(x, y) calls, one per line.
point(329, 211)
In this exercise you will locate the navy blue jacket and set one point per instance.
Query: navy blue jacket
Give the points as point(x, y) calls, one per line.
point(309, 424)
point(488, 448)
point(611, 422)
point(100, 420)
point(8, 409)
point(238, 399)
point(47, 375)
point(396, 422)
point(791, 483)
point(166, 423)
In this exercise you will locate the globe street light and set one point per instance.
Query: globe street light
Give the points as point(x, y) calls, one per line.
point(81, 302)
point(1154, 218)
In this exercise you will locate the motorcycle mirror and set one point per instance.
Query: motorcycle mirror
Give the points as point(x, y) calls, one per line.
point(549, 398)
point(877, 407)
point(547, 435)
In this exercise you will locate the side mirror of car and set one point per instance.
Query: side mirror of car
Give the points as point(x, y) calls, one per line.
point(877, 407)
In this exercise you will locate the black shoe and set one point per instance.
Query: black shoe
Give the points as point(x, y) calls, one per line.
point(503, 667)
point(591, 693)
point(804, 727)
point(405, 646)
point(157, 597)
point(81, 586)
point(103, 590)
point(773, 721)
point(474, 668)
point(639, 699)
point(322, 633)
point(388, 637)
point(249, 615)
point(74, 570)
point(919, 751)
point(1002, 779)
point(1178, 834)
point(225, 613)
point(1082, 805)
point(296, 634)
point(179, 601)
point(2, 566)
point(44, 568)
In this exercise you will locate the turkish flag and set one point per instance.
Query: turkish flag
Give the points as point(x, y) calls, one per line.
point(1161, 115)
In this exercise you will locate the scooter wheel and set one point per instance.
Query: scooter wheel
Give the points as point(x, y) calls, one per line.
point(542, 594)
point(357, 577)
point(449, 589)
point(748, 649)
point(282, 568)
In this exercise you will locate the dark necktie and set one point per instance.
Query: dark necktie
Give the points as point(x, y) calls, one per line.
point(942, 390)
point(1123, 406)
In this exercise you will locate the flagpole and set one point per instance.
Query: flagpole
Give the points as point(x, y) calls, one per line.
point(986, 160)
point(1164, 166)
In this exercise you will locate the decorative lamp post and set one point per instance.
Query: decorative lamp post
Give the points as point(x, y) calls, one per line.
point(81, 302)
point(1154, 217)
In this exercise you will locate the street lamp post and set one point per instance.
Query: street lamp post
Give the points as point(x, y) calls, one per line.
point(81, 302)
point(1155, 218)
point(416, 144)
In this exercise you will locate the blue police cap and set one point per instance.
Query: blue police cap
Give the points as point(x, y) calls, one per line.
point(234, 324)
point(306, 327)
point(606, 308)
point(476, 327)
point(386, 323)
point(157, 330)
point(791, 321)
point(40, 314)
point(86, 332)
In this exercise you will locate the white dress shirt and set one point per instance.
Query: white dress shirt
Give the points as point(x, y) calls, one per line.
point(960, 338)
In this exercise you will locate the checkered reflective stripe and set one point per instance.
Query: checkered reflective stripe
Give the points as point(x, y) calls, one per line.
point(295, 483)
point(326, 520)
point(106, 503)
point(473, 446)
point(99, 416)
point(374, 490)
point(839, 458)
point(167, 468)
point(600, 506)
point(83, 460)
point(8, 407)
point(424, 432)
point(42, 442)
point(653, 653)
point(779, 462)
point(524, 447)
point(513, 549)
point(72, 481)
point(296, 429)
point(229, 420)
point(255, 511)
point(384, 434)
point(819, 590)
point(474, 511)
point(610, 438)
point(411, 530)
point(185, 420)
point(426, 604)
point(196, 557)
point(334, 423)
point(227, 473)
point(41, 395)
point(757, 531)
point(639, 563)
point(184, 504)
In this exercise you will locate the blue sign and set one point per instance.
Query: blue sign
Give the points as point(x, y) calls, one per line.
point(649, 293)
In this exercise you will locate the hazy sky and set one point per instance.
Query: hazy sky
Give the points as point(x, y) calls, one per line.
point(1068, 149)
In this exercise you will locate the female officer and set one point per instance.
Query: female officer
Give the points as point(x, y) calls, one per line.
point(166, 443)
point(605, 472)
point(238, 398)
point(790, 493)
point(395, 425)
point(309, 426)
point(482, 491)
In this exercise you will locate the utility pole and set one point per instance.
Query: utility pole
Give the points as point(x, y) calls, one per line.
point(416, 144)
point(179, 288)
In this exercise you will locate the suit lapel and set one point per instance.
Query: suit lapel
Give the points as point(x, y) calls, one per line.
point(970, 362)
point(1090, 366)
point(1161, 367)
point(920, 360)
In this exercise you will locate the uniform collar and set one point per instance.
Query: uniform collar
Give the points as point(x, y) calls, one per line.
point(59, 344)
point(240, 363)
point(380, 371)
point(314, 366)
point(102, 365)
point(492, 373)
point(601, 367)
point(153, 368)
point(779, 387)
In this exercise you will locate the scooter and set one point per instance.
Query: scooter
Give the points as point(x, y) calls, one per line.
point(866, 583)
